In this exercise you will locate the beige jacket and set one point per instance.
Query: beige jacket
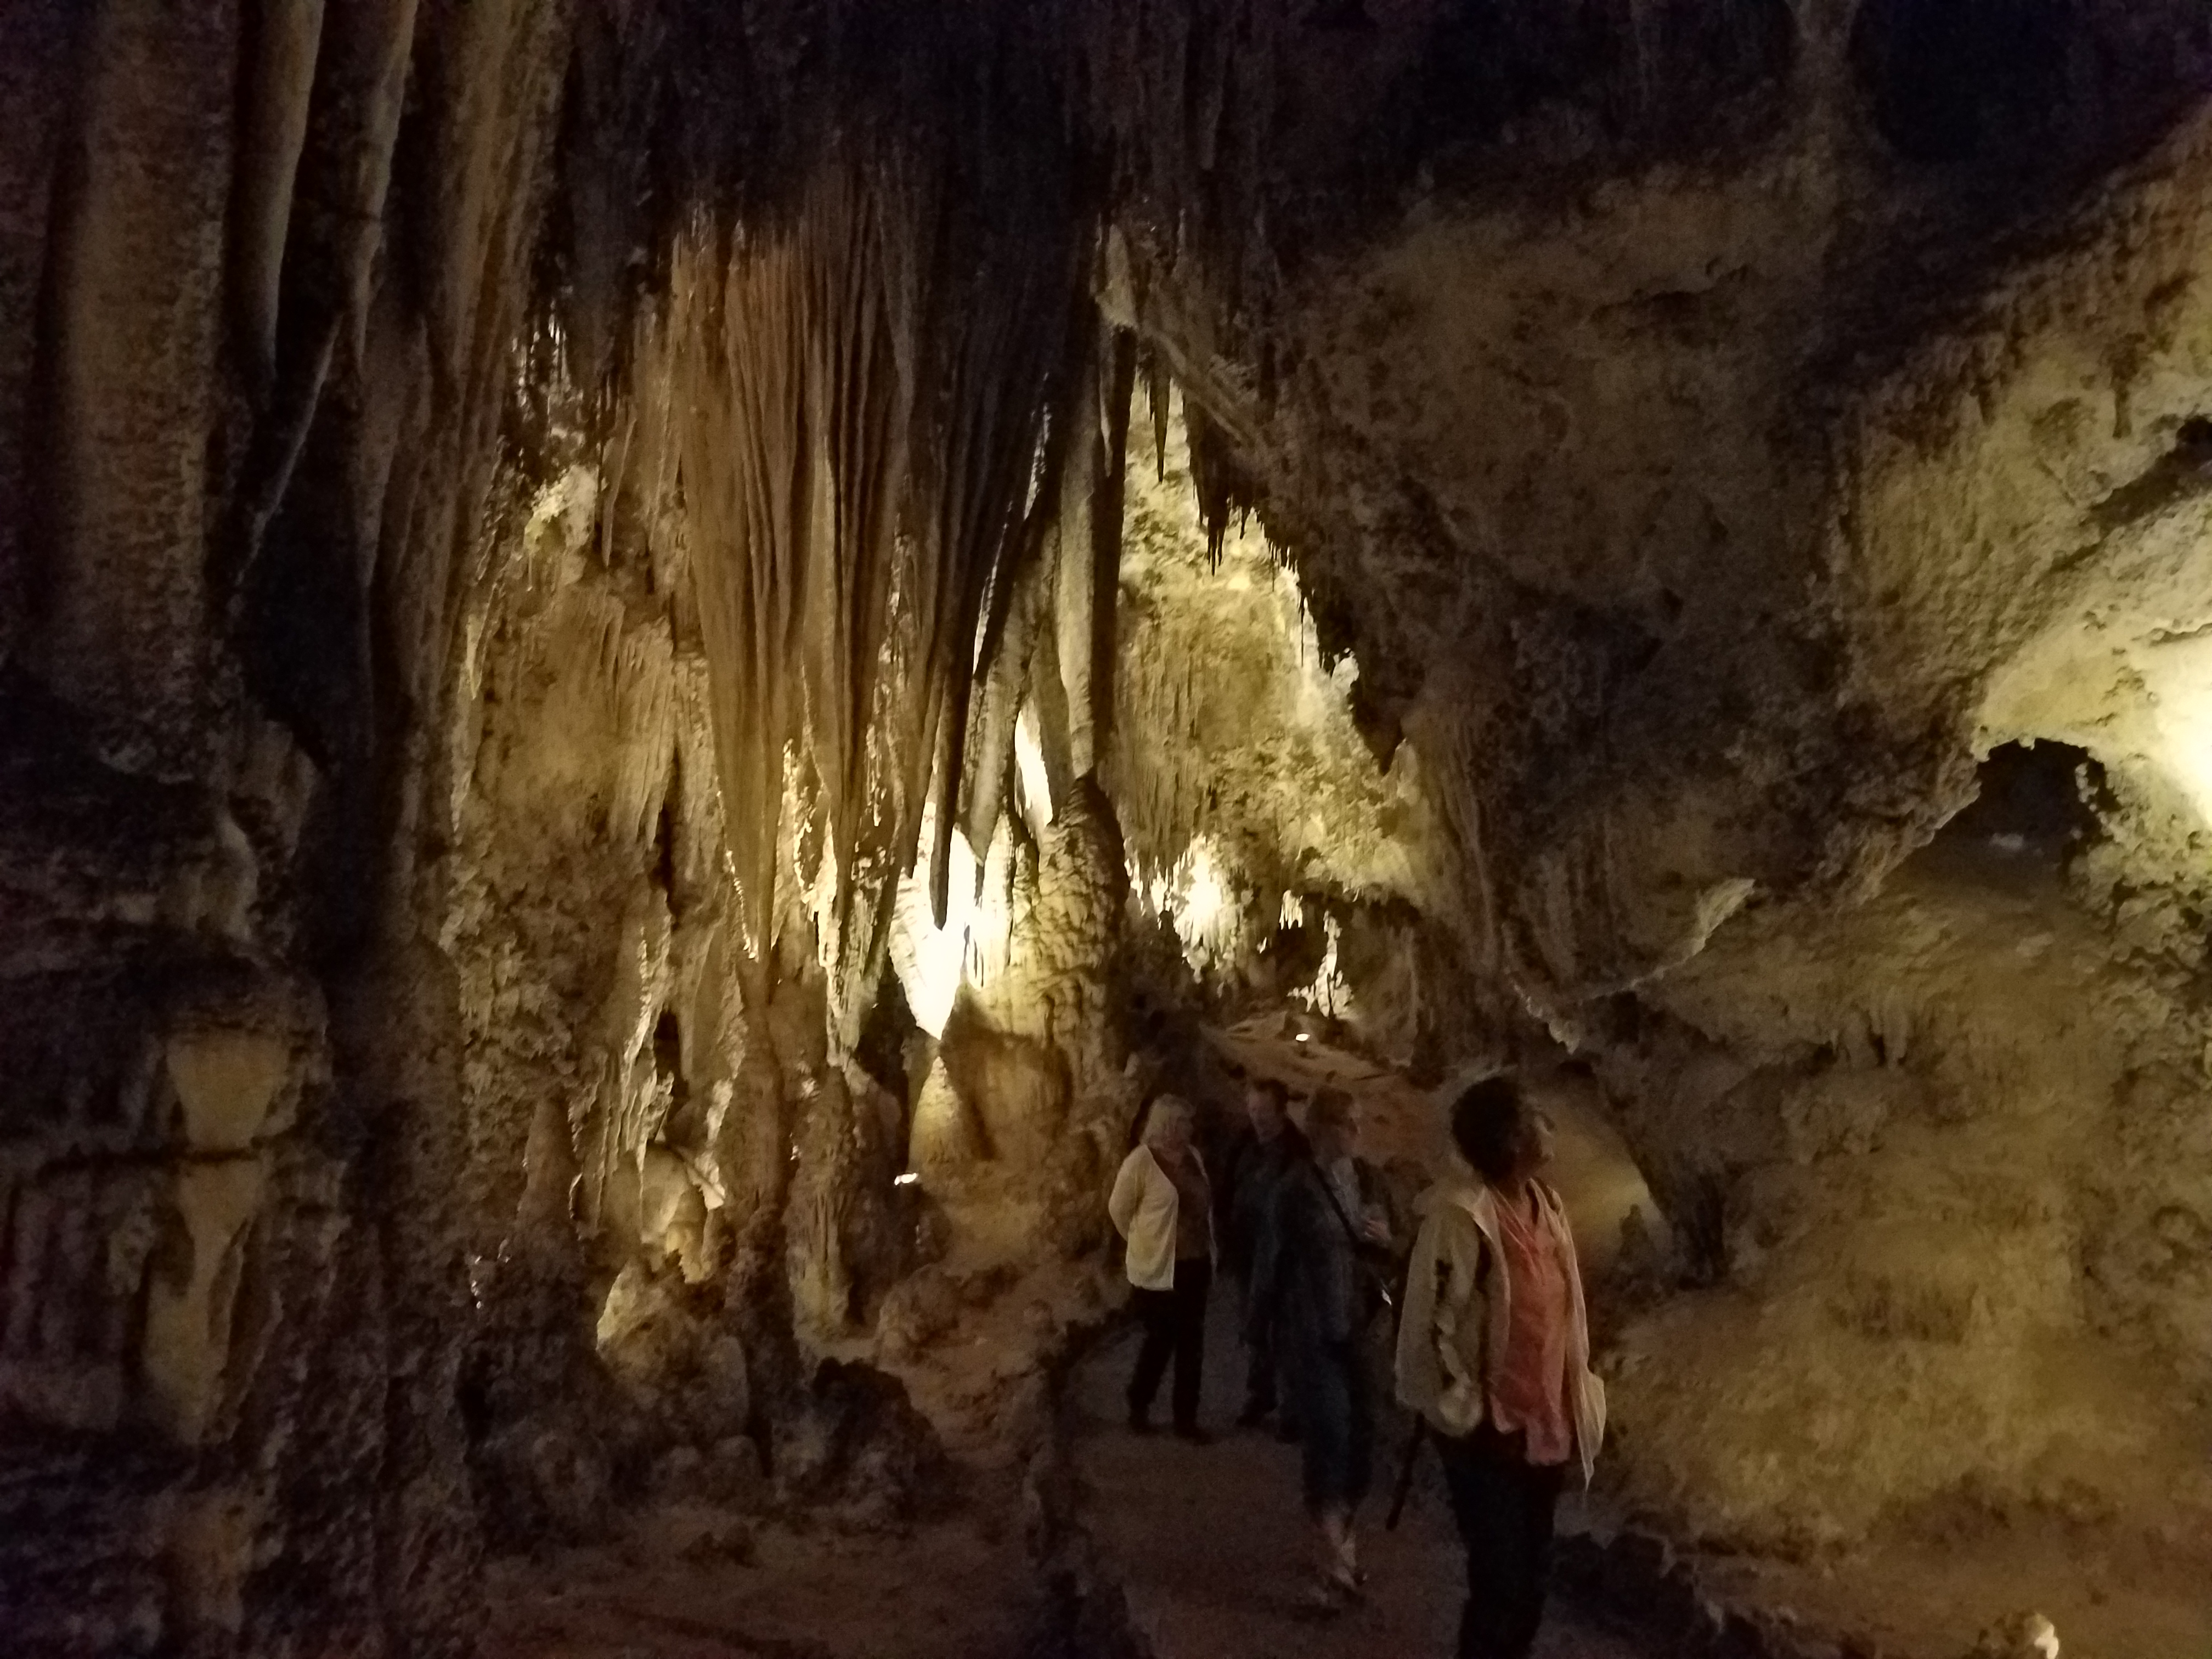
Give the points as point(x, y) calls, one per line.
point(1459, 1299)
point(1144, 1208)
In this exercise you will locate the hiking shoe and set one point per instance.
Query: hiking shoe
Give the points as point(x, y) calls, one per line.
point(1193, 1435)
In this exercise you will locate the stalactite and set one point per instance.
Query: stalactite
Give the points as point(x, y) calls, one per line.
point(324, 117)
point(286, 37)
point(861, 345)
point(1226, 491)
point(1009, 328)
point(862, 398)
point(1159, 401)
point(1088, 584)
point(1006, 663)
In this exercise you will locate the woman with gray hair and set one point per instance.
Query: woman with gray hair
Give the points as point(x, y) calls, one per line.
point(1163, 1206)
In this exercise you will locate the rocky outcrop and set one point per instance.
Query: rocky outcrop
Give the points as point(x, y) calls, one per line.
point(1940, 1148)
point(552, 553)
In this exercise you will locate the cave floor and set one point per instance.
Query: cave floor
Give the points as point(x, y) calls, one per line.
point(1211, 1542)
point(953, 1589)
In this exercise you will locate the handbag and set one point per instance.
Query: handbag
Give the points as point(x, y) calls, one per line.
point(1379, 1284)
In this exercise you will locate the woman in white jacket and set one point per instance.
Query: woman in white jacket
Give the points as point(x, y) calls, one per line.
point(1493, 1352)
point(1163, 1206)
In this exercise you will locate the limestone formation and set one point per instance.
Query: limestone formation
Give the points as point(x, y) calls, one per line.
point(657, 656)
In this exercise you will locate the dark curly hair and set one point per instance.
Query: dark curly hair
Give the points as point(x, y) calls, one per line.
point(1486, 1126)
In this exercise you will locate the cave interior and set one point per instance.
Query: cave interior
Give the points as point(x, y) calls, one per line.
point(659, 657)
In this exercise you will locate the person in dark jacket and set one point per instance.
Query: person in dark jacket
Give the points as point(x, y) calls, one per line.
point(1258, 1158)
point(1317, 1279)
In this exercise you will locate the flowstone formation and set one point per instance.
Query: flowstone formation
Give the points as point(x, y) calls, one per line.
point(630, 630)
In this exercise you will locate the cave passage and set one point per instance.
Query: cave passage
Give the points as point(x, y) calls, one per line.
point(662, 662)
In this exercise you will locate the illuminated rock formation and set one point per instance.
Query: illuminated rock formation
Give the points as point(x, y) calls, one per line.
point(630, 629)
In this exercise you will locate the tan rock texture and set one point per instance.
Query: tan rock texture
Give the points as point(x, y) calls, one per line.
point(601, 656)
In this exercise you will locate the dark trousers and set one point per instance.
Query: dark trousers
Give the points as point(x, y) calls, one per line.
point(1332, 1390)
point(1503, 1505)
point(1174, 1327)
point(1259, 1374)
point(1259, 1354)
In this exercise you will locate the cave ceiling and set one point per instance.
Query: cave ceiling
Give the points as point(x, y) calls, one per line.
point(1681, 411)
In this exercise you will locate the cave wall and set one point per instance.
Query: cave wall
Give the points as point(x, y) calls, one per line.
point(1702, 519)
point(1939, 1163)
point(1969, 1031)
point(1682, 505)
point(1274, 845)
point(251, 381)
point(443, 920)
point(601, 1044)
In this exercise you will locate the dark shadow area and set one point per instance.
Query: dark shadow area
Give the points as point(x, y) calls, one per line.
point(2037, 808)
point(2045, 85)
point(2036, 798)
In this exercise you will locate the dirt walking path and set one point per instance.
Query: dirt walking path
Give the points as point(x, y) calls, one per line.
point(1210, 1542)
point(671, 1589)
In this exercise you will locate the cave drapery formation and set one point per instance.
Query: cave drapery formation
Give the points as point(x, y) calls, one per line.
point(621, 620)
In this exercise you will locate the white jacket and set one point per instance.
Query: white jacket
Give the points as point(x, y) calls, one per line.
point(1459, 1301)
point(1144, 1207)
